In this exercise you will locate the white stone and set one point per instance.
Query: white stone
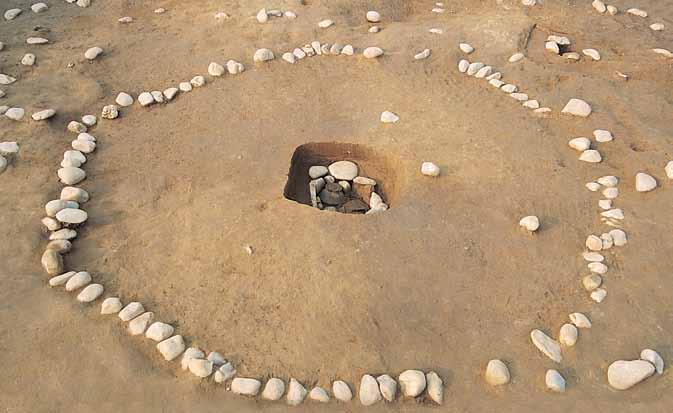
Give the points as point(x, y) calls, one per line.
point(598, 267)
point(593, 257)
point(290, 14)
point(273, 389)
point(225, 372)
point(521, 97)
point(263, 55)
point(342, 392)
point(289, 57)
point(664, 52)
point(125, 19)
point(139, 324)
point(603, 135)
point(111, 305)
point(51, 224)
point(615, 213)
point(71, 216)
point(348, 50)
point(605, 204)
point(15, 113)
point(623, 375)
point(568, 335)
point(618, 237)
point(110, 112)
point(657, 26)
point(6, 79)
point(53, 207)
point(90, 293)
point(637, 12)
point(296, 393)
point(463, 65)
point(580, 320)
point(131, 311)
point(43, 114)
point(93, 53)
point(372, 52)
point(608, 181)
point(198, 81)
point(580, 144)
point(508, 88)
point(319, 394)
point(611, 193)
point(593, 186)
point(217, 358)
point(531, 104)
point(412, 383)
point(343, 170)
point(594, 243)
point(215, 69)
point(170, 93)
point(552, 47)
point(185, 87)
point(89, 120)
point(612, 10)
point(516, 57)
point(435, 387)
point(28, 59)
point(159, 331)
point(531, 223)
point(466, 48)
point(598, 295)
point(387, 386)
point(474, 68)
point(497, 373)
point(422, 55)
point(577, 107)
point(554, 381)
point(496, 83)
point(591, 282)
point(389, 117)
point(645, 182)
point(245, 386)
point(262, 16)
point(145, 99)
point(669, 169)
point(430, 169)
point(654, 358)
point(607, 241)
point(485, 71)
point(78, 281)
point(369, 390)
point(323, 24)
point(172, 347)
point(52, 262)
point(599, 6)
point(373, 16)
point(592, 53)
point(63, 234)
point(124, 99)
point(191, 353)
point(591, 156)
point(61, 279)
point(548, 346)
point(200, 367)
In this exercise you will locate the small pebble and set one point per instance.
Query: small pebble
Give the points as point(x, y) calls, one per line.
point(245, 386)
point(90, 293)
point(131, 311)
point(623, 375)
point(580, 320)
point(78, 281)
point(430, 169)
point(531, 223)
point(369, 390)
point(171, 348)
point(342, 392)
point(546, 345)
point(555, 382)
point(387, 386)
point(577, 107)
point(296, 393)
point(516, 57)
point(654, 358)
point(645, 182)
point(497, 373)
point(412, 383)
point(372, 52)
point(111, 305)
point(568, 335)
point(273, 389)
point(389, 117)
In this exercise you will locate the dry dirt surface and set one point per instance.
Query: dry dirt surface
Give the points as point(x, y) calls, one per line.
point(445, 280)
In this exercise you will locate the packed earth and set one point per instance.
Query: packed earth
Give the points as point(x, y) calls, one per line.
point(309, 205)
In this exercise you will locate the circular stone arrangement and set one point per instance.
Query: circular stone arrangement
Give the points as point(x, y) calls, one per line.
point(349, 166)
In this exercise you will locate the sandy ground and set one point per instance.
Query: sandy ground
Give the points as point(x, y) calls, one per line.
point(444, 280)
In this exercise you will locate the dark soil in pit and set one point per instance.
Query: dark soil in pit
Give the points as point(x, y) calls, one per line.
point(382, 169)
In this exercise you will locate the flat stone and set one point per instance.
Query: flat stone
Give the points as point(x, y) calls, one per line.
point(172, 347)
point(592, 53)
point(215, 69)
point(28, 59)
point(61, 279)
point(387, 386)
point(90, 293)
point(602, 135)
point(78, 281)
point(348, 50)
point(131, 311)
point(63, 234)
point(618, 237)
point(497, 373)
point(463, 65)
point(516, 57)
point(412, 383)
point(111, 305)
point(197, 81)
point(554, 381)
point(234, 67)
point(71, 193)
point(466, 48)
point(623, 375)
point(145, 99)
point(669, 169)
point(12, 13)
point(373, 16)
point(296, 393)
point(185, 87)
point(422, 55)
point(342, 392)
point(289, 57)
point(15, 113)
point(9, 148)
point(509, 88)
point(71, 216)
point(608, 181)
point(473, 68)
point(546, 345)
point(6, 79)
point(225, 372)
point(577, 107)
point(245, 386)
point(637, 12)
point(139, 324)
point(61, 246)
point(592, 282)
point(598, 295)
point(343, 170)
point(191, 353)
point(273, 389)
point(369, 390)
point(323, 24)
